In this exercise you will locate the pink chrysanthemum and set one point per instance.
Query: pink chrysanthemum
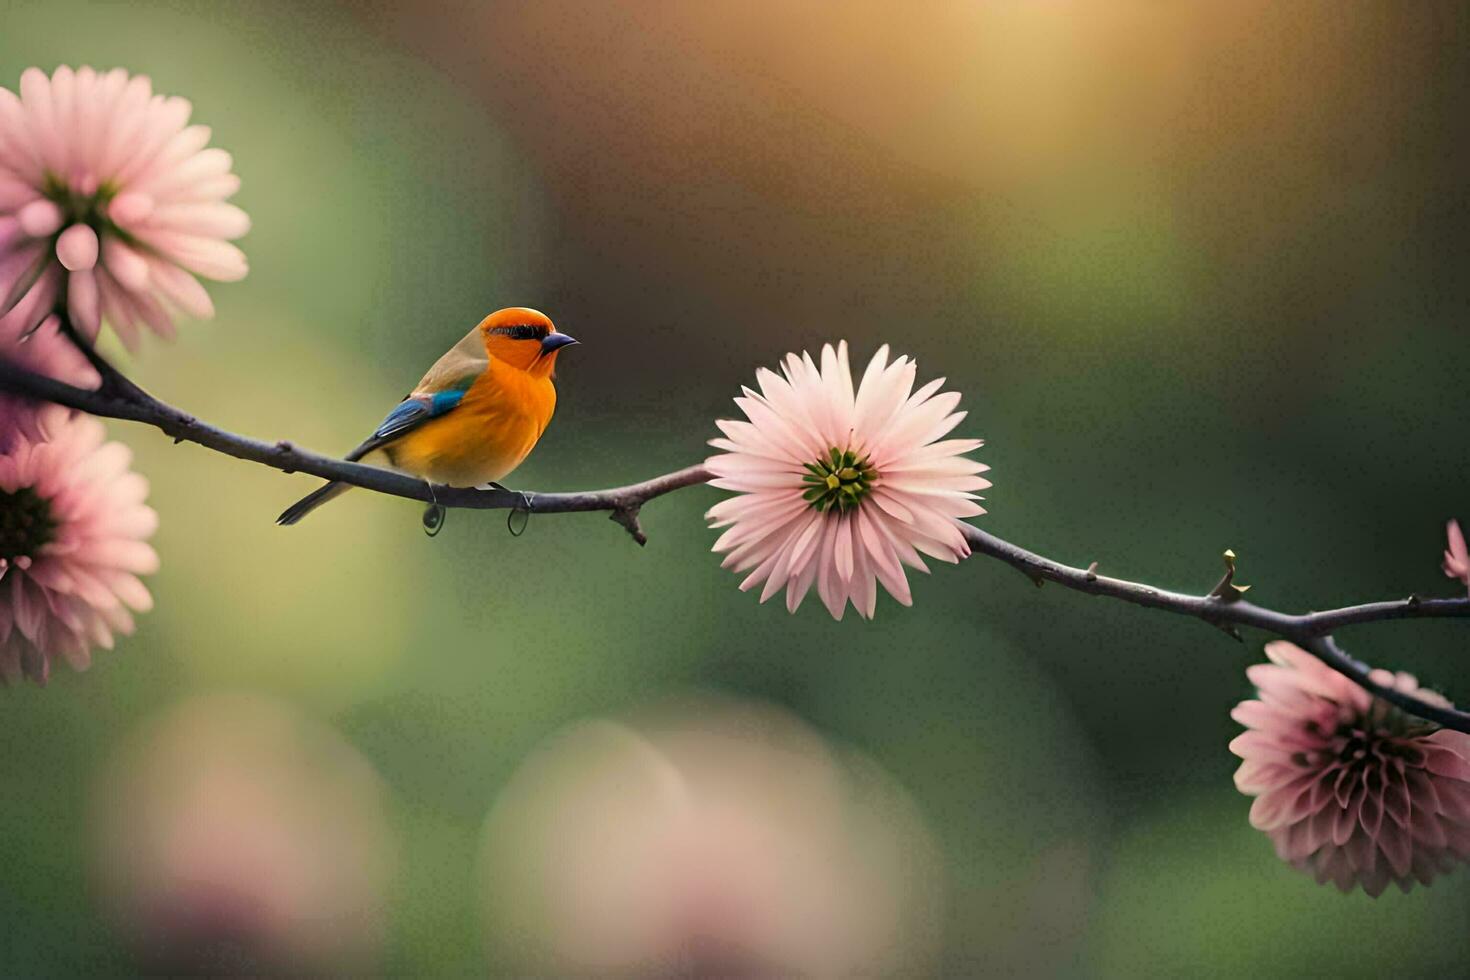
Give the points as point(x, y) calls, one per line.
point(1456, 556)
point(44, 351)
point(1347, 786)
point(842, 488)
point(106, 190)
point(73, 530)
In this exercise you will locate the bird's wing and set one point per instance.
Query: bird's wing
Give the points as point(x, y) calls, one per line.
point(418, 408)
point(439, 391)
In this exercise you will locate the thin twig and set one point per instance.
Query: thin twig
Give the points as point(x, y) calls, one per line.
point(1325, 649)
point(1213, 610)
point(1223, 609)
point(1309, 630)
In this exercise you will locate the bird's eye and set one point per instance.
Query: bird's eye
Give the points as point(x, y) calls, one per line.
point(520, 332)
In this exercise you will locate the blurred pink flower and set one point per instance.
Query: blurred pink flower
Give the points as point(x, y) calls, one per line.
point(44, 351)
point(1456, 556)
point(842, 488)
point(237, 837)
point(1347, 786)
point(708, 838)
point(104, 190)
point(73, 530)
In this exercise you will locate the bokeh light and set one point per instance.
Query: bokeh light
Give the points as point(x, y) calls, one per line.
point(712, 836)
point(236, 836)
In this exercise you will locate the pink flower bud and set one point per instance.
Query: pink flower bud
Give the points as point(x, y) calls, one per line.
point(40, 218)
point(77, 248)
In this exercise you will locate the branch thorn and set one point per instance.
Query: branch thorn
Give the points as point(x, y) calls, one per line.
point(627, 516)
point(1226, 590)
point(1092, 572)
point(1231, 630)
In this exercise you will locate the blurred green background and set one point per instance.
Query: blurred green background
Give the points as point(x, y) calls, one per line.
point(1199, 271)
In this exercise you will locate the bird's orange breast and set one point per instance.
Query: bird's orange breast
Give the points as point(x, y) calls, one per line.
point(486, 437)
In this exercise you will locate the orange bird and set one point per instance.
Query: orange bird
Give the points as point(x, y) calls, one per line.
point(475, 416)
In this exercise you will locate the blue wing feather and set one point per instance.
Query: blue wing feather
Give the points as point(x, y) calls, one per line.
point(409, 414)
point(405, 415)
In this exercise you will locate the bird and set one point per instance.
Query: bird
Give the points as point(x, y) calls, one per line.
point(474, 417)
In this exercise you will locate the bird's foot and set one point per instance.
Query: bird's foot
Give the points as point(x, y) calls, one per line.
point(520, 515)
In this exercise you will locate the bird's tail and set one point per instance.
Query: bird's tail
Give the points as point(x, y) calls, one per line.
point(312, 501)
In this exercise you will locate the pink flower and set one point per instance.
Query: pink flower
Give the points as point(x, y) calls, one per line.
point(73, 530)
point(105, 192)
point(842, 488)
point(707, 838)
point(1347, 786)
point(236, 836)
point(1456, 556)
point(44, 351)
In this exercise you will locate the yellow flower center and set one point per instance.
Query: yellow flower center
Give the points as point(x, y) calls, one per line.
point(838, 481)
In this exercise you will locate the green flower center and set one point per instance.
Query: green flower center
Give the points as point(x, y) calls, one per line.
point(26, 524)
point(80, 208)
point(839, 480)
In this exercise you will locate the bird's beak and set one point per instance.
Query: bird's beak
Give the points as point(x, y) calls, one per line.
point(555, 342)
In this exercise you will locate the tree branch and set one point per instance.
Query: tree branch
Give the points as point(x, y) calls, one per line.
point(114, 382)
point(1325, 649)
point(1221, 612)
point(136, 405)
point(1221, 608)
point(1308, 630)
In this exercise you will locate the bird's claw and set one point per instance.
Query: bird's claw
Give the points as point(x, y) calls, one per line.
point(523, 510)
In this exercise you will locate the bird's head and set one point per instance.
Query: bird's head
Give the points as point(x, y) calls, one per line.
point(523, 338)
